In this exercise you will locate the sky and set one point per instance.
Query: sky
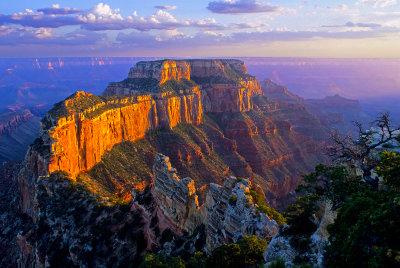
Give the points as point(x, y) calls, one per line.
point(200, 28)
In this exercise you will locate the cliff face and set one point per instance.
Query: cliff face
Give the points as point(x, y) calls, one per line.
point(161, 70)
point(176, 197)
point(79, 139)
point(224, 84)
point(78, 142)
point(228, 212)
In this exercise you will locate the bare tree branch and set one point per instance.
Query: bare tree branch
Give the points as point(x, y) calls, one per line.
point(346, 148)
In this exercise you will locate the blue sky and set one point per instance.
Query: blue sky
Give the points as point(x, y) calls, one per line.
point(304, 28)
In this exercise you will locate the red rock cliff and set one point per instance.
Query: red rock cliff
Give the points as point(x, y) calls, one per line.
point(224, 84)
point(79, 140)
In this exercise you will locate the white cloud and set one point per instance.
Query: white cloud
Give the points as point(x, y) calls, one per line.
point(103, 17)
point(376, 3)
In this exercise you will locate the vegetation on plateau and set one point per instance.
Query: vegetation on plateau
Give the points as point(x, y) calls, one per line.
point(246, 252)
point(152, 85)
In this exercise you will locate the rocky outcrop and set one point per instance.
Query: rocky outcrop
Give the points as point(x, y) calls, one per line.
point(74, 140)
point(175, 197)
point(281, 246)
point(231, 213)
point(228, 212)
point(224, 84)
point(78, 141)
point(208, 68)
point(80, 129)
point(162, 70)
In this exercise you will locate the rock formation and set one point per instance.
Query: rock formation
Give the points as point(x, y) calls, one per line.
point(231, 213)
point(176, 197)
point(228, 212)
point(161, 70)
point(225, 84)
point(281, 246)
point(279, 93)
point(17, 131)
point(208, 116)
point(79, 140)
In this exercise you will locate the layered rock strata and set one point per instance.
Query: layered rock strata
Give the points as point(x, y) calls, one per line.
point(228, 212)
point(225, 84)
point(161, 70)
point(76, 133)
point(77, 142)
point(175, 197)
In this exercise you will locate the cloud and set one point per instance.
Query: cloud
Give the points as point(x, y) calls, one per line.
point(242, 7)
point(376, 3)
point(44, 36)
point(363, 25)
point(165, 7)
point(351, 24)
point(206, 39)
point(340, 8)
point(56, 10)
point(102, 17)
point(39, 19)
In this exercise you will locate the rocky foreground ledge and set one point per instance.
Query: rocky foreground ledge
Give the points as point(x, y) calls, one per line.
point(228, 212)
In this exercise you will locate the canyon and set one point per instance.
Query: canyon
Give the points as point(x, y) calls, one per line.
point(223, 136)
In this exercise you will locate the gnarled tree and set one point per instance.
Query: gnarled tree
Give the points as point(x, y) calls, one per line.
point(359, 150)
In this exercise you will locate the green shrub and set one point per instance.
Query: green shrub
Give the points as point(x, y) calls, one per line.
point(266, 208)
point(233, 199)
point(279, 263)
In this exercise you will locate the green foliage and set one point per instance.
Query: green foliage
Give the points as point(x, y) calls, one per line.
point(225, 256)
point(59, 110)
point(233, 199)
point(161, 261)
point(366, 232)
point(152, 85)
point(279, 263)
point(80, 102)
point(198, 260)
point(145, 84)
point(389, 169)
point(248, 251)
point(81, 219)
point(177, 86)
point(266, 208)
point(300, 216)
point(252, 249)
point(332, 182)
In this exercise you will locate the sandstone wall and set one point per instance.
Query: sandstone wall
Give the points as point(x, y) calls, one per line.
point(161, 70)
point(217, 97)
point(78, 143)
point(175, 197)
